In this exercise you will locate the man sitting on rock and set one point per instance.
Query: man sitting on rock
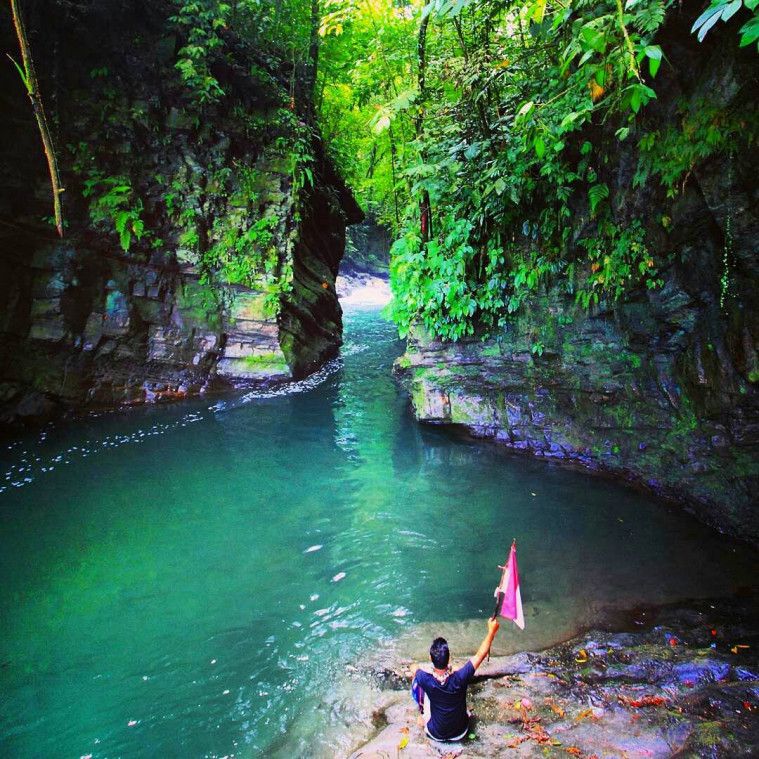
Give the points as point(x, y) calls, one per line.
point(441, 696)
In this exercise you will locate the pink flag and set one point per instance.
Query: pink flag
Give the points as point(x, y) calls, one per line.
point(507, 593)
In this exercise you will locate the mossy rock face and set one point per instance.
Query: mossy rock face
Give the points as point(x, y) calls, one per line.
point(251, 307)
point(256, 367)
point(604, 399)
point(194, 300)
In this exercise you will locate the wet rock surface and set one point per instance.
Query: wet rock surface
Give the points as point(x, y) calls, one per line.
point(681, 680)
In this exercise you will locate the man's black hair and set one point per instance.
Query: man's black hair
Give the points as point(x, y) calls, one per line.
point(439, 653)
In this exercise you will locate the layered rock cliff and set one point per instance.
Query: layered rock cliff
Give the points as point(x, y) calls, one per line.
point(204, 231)
point(661, 387)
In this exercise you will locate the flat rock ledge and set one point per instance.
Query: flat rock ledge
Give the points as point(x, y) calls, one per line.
point(683, 682)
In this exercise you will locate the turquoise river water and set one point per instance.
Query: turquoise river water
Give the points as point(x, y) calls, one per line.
point(207, 579)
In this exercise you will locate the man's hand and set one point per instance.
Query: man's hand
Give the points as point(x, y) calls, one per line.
point(487, 641)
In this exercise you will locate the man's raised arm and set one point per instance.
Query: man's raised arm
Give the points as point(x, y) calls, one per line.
point(487, 642)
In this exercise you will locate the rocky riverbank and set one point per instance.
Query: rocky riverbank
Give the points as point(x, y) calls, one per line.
point(680, 680)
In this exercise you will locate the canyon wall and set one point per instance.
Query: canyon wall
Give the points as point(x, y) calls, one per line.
point(203, 232)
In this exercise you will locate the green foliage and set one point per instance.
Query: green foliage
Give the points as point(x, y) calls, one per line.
point(368, 99)
point(240, 245)
point(618, 257)
point(724, 10)
point(114, 203)
point(201, 21)
point(511, 91)
point(448, 286)
point(509, 140)
point(704, 129)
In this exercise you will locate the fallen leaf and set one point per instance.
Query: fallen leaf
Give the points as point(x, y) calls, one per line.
point(582, 656)
point(642, 702)
point(403, 743)
point(554, 707)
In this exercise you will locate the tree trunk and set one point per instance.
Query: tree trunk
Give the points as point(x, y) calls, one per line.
point(425, 207)
point(313, 58)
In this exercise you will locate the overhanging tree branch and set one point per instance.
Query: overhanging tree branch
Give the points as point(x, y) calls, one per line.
point(29, 77)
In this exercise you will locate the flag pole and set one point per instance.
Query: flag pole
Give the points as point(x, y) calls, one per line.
point(499, 596)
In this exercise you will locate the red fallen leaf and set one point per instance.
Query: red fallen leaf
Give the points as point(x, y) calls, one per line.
point(645, 701)
point(673, 641)
point(573, 750)
point(714, 632)
point(748, 706)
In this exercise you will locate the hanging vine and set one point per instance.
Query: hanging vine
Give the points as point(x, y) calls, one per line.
point(727, 248)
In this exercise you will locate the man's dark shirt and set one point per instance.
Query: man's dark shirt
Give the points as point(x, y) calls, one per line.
point(448, 715)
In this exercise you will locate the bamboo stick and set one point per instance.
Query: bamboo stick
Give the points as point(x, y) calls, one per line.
point(29, 77)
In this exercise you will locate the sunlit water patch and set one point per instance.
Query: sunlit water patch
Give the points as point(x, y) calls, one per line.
point(206, 579)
